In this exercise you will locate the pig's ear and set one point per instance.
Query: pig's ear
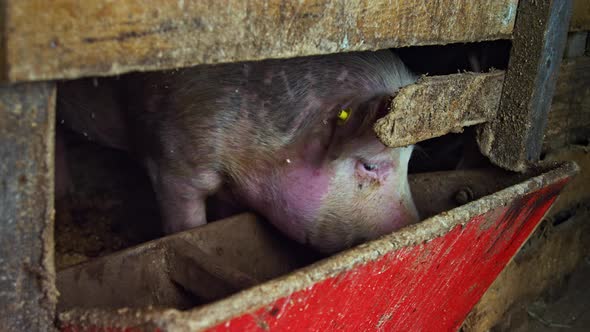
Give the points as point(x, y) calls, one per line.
point(377, 108)
point(325, 140)
point(315, 143)
point(362, 118)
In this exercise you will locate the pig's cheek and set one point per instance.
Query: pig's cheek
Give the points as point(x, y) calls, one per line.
point(302, 189)
point(402, 211)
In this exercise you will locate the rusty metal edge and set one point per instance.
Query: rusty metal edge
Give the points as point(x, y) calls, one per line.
point(251, 299)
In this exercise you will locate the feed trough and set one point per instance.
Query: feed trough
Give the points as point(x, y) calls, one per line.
point(239, 275)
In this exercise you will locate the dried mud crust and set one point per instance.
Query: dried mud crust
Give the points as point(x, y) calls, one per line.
point(111, 205)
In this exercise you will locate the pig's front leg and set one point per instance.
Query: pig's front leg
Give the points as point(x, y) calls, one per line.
point(181, 198)
point(182, 207)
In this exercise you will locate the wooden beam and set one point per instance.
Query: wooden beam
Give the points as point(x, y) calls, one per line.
point(27, 286)
point(72, 38)
point(581, 17)
point(576, 44)
point(569, 119)
point(514, 139)
point(224, 256)
point(438, 105)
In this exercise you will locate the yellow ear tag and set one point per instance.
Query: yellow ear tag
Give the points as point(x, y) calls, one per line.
point(343, 116)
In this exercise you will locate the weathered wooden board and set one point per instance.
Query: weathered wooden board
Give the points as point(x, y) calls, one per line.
point(27, 273)
point(569, 119)
point(72, 38)
point(581, 18)
point(576, 44)
point(224, 256)
point(424, 277)
point(514, 139)
point(438, 105)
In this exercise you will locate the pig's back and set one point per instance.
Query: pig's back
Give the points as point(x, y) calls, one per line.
point(267, 103)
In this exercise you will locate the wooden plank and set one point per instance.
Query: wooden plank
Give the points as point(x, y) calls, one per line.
point(438, 105)
point(514, 139)
point(437, 192)
point(72, 38)
point(141, 272)
point(569, 119)
point(27, 283)
point(576, 44)
point(581, 18)
point(224, 256)
point(423, 277)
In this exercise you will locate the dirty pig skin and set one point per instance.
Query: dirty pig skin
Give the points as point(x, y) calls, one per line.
point(291, 139)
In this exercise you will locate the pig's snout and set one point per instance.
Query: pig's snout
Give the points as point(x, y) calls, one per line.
point(368, 197)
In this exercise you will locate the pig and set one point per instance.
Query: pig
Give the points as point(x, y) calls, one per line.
point(291, 139)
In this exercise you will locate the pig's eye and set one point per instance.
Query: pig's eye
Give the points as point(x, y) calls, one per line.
point(369, 167)
point(367, 170)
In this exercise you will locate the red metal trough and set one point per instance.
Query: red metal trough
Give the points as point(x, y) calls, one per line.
point(426, 277)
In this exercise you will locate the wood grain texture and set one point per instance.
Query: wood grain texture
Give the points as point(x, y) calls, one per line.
point(27, 282)
point(581, 18)
point(438, 105)
point(225, 256)
point(576, 44)
point(514, 139)
point(73, 38)
point(569, 119)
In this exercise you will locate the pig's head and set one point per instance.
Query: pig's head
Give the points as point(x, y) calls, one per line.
point(368, 195)
point(341, 187)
